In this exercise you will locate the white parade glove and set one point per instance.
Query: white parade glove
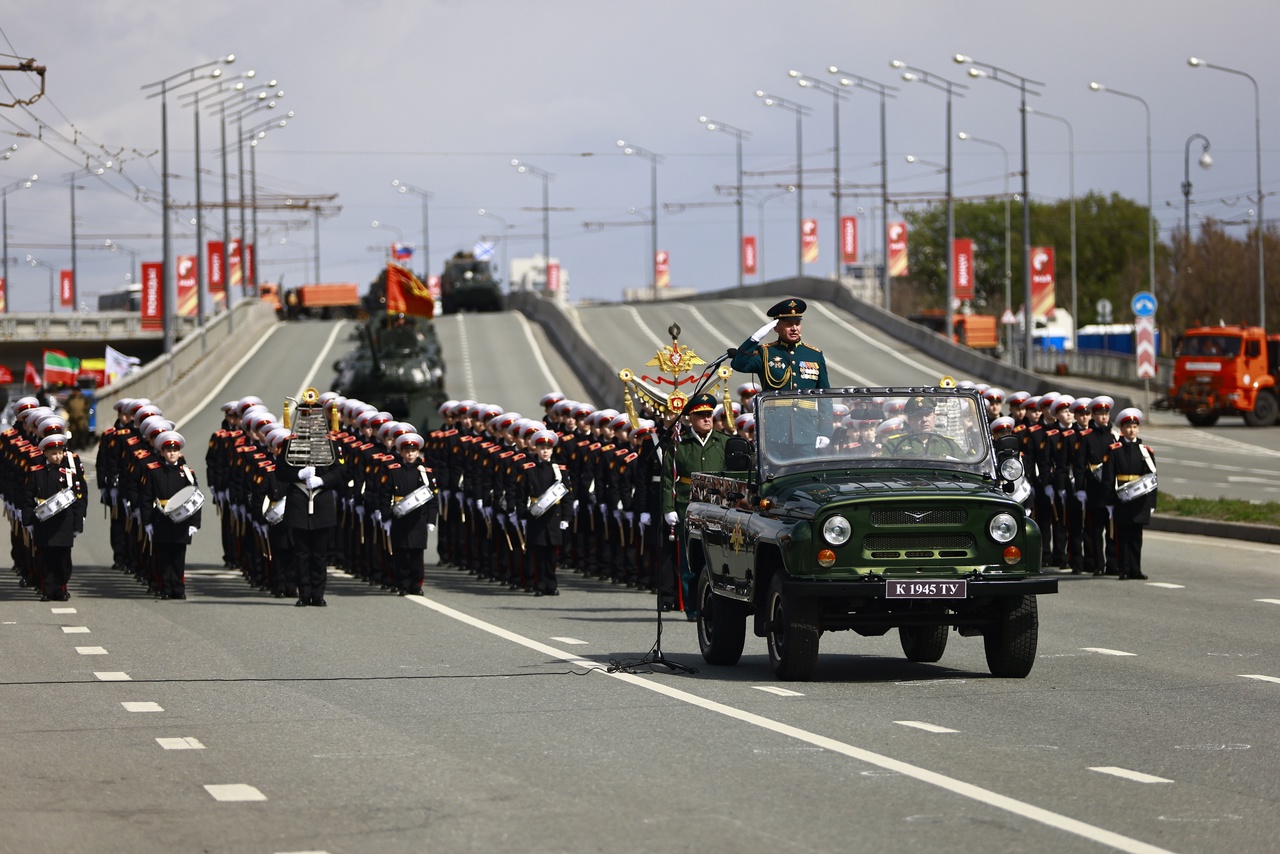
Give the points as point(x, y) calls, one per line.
point(377, 515)
point(149, 531)
point(306, 472)
point(604, 509)
point(30, 530)
point(759, 334)
point(360, 512)
point(106, 495)
point(671, 518)
point(314, 482)
point(1111, 510)
point(488, 513)
point(502, 518)
point(386, 527)
point(629, 515)
point(822, 442)
point(524, 526)
point(1048, 490)
point(479, 503)
point(575, 505)
point(564, 525)
point(645, 519)
point(191, 530)
point(430, 527)
point(1080, 496)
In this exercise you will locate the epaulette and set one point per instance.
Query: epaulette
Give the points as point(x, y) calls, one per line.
point(1034, 427)
point(35, 468)
point(528, 465)
point(451, 432)
point(631, 457)
point(153, 465)
point(132, 440)
point(594, 446)
point(563, 467)
point(1116, 445)
point(393, 467)
point(505, 454)
point(1055, 431)
point(1085, 432)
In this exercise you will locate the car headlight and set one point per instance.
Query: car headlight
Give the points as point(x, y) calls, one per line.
point(1002, 527)
point(837, 530)
point(1010, 468)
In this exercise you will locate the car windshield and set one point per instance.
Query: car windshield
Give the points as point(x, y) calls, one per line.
point(1210, 345)
point(887, 428)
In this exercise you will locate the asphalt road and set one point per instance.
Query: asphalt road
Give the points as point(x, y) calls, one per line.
point(476, 719)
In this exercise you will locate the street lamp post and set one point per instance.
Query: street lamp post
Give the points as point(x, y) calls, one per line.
point(1195, 62)
point(760, 202)
point(4, 213)
point(506, 271)
point(166, 273)
point(546, 214)
point(34, 261)
point(399, 234)
point(917, 75)
point(258, 134)
point(883, 91)
point(1008, 261)
point(836, 97)
point(426, 197)
point(1205, 162)
point(800, 111)
point(1017, 81)
point(1151, 227)
point(654, 160)
point(951, 239)
point(738, 136)
point(1071, 179)
point(248, 265)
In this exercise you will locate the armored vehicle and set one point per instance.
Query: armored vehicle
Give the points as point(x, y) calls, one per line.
point(467, 284)
point(813, 532)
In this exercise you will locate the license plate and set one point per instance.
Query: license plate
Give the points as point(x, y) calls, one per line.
point(926, 589)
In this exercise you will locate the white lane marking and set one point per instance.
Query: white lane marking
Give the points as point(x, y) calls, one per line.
point(62, 610)
point(1166, 585)
point(924, 775)
point(324, 354)
point(302, 852)
point(925, 726)
point(570, 641)
point(142, 706)
point(75, 630)
point(906, 360)
point(226, 378)
point(1269, 601)
point(234, 792)
point(226, 575)
point(635, 315)
point(91, 650)
point(1104, 651)
point(113, 676)
point(9, 623)
point(186, 743)
point(1231, 478)
point(781, 692)
point(1260, 677)
point(1200, 439)
point(537, 351)
point(468, 375)
point(1135, 776)
point(698, 316)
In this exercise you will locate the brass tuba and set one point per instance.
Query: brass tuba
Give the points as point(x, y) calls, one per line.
point(310, 445)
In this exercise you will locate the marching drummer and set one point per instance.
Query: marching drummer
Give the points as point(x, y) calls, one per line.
point(169, 521)
point(54, 483)
point(407, 500)
point(1128, 465)
point(546, 517)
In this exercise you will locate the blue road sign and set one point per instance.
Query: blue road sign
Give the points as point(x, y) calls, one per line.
point(1144, 304)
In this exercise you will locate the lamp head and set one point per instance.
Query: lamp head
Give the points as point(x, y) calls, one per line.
point(897, 63)
point(622, 143)
point(977, 72)
point(759, 93)
point(1097, 87)
point(231, 57)
point(1195, 62)
point(831, 69)
point(1206, 161)
point(794, 73)
point(962, 135)
point(961, 59)
point(909, 77)
point(911, 158)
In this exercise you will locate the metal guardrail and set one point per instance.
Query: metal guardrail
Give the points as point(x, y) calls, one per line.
point(109, 325)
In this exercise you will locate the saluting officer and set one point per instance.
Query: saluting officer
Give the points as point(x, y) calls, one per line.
point(786, 363)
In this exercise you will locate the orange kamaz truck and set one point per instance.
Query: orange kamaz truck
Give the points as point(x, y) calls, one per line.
point(1226, 370)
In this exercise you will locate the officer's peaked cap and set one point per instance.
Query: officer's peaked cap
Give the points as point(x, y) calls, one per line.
point(789, 309)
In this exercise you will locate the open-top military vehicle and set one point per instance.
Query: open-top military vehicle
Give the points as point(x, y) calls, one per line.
point(810, 532)
point(467, 284)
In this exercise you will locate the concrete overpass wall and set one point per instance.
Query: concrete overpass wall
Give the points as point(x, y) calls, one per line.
point(565, 331)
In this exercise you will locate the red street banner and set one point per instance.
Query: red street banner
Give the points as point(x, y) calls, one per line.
point(749, 256)
point(4, 304)
point(217, 273)
point(233, 264)
point(809, 240)
point(152, 296)
point(66, 288)
point(962, 268)
point(898, 249)
point(553, 277)
point(1043, 293)
point(188, 293)
point(406, 294)
point(849, 239)
point(250, 269)
point(661, 269)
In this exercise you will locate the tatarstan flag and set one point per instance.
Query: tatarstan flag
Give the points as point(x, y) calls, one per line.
point(59, 368)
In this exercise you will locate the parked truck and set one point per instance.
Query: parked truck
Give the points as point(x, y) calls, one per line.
point(1226, 370)
point(978, 331)
point(324, 301)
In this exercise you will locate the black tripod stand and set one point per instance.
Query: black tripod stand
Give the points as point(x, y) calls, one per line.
point(655, 658)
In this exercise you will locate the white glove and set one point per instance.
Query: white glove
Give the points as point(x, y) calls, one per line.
point(759, 334)
point(191, 530)
point(479, 504)
point(502, 519)
point(430, 527)
point(629, 515)
point(149, 531)
point(306, 472)
point(645, 519)
point(314, 482)
point(822, 442)
point(487, 512)
point(377, 515)
point(106, 495)
point(564, 525)
point(386, 527)
point(671, 518)
point(1080, 496)
point(31, 530)
point(1048, 490)
point(575, 505)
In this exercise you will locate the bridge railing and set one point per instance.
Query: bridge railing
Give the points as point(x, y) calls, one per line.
point(109, 325)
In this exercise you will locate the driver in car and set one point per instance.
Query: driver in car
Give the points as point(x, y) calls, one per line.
point(921, 438)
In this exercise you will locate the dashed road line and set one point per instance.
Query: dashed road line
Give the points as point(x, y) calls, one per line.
point(234, 792)
point(1269, 601)
point(142, 706)
point(75, 630)
point(112, 676)
point(1166, 585)
point(62, 610)
point(91, 650)
point(926, 726)
point(781, 692)
point(186, 743)
point(1103, 651)
point(1135, 776)
point(1260, 677)
point(571, 641)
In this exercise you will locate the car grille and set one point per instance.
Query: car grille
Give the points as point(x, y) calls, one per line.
point(947, 516)
point(926, 547)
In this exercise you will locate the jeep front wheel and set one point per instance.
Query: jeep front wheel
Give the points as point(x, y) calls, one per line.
point(792, 634)
point(1010, 640)
point(722, 625)
point(924, 644)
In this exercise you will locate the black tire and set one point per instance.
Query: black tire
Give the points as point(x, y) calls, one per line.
point(722, 625)
point(1202, 419)
point(924, 644)
point(1264, 411)
point(1011, 640)
point(793, 632)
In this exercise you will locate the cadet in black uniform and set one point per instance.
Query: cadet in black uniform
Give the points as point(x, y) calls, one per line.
point(544, 532)
point(1130, 460)
point(311, 512)
point(54, 535)
point(169, 538)
point(409, 530)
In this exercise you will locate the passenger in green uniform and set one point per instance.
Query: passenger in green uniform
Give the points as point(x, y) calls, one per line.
point(788, 364)
point(698, 448)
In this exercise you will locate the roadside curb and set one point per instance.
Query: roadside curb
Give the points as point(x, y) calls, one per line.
point(1214, 528)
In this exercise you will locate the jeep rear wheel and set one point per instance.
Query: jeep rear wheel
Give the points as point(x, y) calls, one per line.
point(923, 643)
point(792, 634)
point(1010, 641)
point(722, 625)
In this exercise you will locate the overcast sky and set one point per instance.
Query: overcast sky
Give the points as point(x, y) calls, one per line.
point(443, 94)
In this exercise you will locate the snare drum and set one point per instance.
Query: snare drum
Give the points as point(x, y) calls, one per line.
point(184, 504)
point(273, 512)
point(548, 499)
point(1137, 488)
point(55, 504)
point(412, 501)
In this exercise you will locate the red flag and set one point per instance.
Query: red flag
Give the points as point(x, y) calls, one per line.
point(407, 295)
point(749, 255)
point(31, 377)
point(5, 376)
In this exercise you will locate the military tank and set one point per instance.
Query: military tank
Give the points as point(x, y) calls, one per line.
point(396, 364)
point(467, 284)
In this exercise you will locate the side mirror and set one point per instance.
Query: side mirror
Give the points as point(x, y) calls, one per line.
point(737, 454)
